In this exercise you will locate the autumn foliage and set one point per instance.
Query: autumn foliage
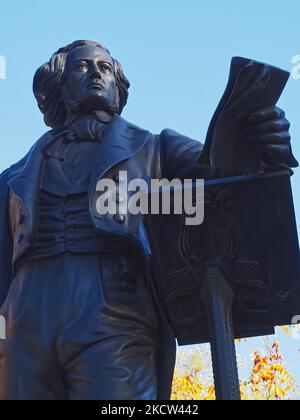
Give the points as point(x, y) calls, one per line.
point(269, 378)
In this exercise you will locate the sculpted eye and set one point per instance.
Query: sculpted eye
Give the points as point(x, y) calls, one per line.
point(105, 67)
point(82, 66)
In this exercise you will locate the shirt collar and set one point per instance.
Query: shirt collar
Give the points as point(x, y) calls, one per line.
point(101, 116)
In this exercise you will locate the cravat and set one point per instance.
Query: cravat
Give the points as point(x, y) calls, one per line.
point(85, 129)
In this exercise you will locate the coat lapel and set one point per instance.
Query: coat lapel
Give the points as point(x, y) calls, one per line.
point(121, 140)
point(25, 182)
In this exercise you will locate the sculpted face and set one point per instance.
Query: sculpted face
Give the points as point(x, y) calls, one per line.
point(89, 79)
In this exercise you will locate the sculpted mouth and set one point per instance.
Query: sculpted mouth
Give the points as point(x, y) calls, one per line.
point(96, 86)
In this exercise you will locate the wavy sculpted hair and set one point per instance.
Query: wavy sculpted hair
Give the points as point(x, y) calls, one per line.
point(48, 84)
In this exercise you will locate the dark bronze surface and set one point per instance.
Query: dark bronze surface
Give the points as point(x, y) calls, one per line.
point(59, 308)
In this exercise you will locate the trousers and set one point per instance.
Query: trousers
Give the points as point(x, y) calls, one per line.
point(79, 327)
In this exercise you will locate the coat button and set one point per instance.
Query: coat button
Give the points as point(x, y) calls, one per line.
point(119, 178)
point(120, 198)
point(120, 218)
point(21, 219)
point(21, 238)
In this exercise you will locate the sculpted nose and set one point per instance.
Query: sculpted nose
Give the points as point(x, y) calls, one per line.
point(95, 71)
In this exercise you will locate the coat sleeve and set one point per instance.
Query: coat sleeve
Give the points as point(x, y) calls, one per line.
point(179, 155)
point(6, 243)
point(180, 158)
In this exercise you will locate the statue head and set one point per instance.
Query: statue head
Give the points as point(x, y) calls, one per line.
point(80, 78)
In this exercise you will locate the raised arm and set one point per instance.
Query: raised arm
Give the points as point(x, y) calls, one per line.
point(179, 155)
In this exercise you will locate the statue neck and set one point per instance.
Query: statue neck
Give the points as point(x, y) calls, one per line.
point(102, 116)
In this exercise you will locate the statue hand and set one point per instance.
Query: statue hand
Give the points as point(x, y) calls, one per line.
point(268, 130)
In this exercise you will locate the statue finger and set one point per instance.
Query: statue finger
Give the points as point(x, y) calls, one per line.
point(266, 114)
point(280, 138)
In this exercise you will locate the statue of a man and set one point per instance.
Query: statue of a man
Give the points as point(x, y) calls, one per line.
point(82, 317)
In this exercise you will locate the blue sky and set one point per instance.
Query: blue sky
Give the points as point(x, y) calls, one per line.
point(176, 55)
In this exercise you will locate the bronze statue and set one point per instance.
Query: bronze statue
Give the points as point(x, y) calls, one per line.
point(82, 315)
